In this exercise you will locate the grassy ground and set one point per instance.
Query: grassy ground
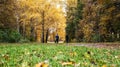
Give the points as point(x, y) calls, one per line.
point(34, 55)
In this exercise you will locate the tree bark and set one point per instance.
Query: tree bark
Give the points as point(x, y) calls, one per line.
point(47, 33)
point(18, 25)
point(42, 27)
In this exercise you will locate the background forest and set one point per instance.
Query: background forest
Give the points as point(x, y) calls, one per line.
point(31, 20)
point(93, 20)
point(41, 20)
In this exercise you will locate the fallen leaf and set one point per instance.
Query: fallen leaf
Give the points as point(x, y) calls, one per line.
point(104, 66)
point(60, 52)
point(113, 65)
point(86, 55)
point(77, 65)
point(25, 64)
point(67, 63)
point(42, 64)
point(6, 57)
point(116, 57)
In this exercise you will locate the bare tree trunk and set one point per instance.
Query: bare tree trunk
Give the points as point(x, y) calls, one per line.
point(24, 30)
point(47, 33)
point(54, 36)
point(32, 34)
point(42, 27)
point(18, 25)
point(32, 30)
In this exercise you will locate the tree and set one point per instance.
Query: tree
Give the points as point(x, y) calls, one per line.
point(7, 19)
point(109, 23)
point(74, 14)
point(99, 21)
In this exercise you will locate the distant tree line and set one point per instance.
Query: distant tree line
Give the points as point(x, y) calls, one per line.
point(30, 20)
point(93, 20)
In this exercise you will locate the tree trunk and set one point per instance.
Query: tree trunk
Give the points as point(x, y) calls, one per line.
point(32, 34)
point(24, 30)
point(47, 33)
point(42, 27)
point(18, 25)
point(54, 36)
point(32, 30)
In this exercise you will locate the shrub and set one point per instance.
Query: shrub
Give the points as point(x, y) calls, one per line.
point(1, 35)
point(14, 36)
point(7, 35)
point(96, 38)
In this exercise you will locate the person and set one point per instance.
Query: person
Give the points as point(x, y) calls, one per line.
point(57, 38)
point(67, 39)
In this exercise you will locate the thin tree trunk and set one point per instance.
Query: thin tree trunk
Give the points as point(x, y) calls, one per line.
point(18, 26)
point(33, 33)
point(24, 30)
point(32, 30)
point(47, 33)
point(17, 22)
point(42, 27)
point(54, 36)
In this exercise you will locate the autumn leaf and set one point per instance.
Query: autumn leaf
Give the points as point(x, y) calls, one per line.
point(116, 57)
point(67, 63)
point(42, 64)
point(86, 55)
point(25, 64)
point(77, 65)
point(104, 65)
point(6, 57)
point(60, 52)
point(113, 65)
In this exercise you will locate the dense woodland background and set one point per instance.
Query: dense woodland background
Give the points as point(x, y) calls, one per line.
point(41, 20)
point(94, 21)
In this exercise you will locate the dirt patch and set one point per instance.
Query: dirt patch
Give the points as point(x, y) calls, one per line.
point(98, 45)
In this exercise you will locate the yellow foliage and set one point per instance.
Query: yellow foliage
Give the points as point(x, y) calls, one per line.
point(118, 15)
point(72, 3)
point(88, 30)
point(111, 9)
point(30, 12)
point(105, 18)
point(100, 1)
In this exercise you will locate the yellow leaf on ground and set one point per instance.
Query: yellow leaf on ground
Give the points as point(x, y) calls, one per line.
point(60, 52)
point(42, 64)
point(113, 65)
point(67, 63)
point(104, 66)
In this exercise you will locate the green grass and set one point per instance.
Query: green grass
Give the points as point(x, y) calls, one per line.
point(28, 55)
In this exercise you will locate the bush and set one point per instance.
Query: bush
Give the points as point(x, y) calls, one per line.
point(4, 36)
point(96, 38)
point(14, 36)
point(1, 35)
point(8, 35)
